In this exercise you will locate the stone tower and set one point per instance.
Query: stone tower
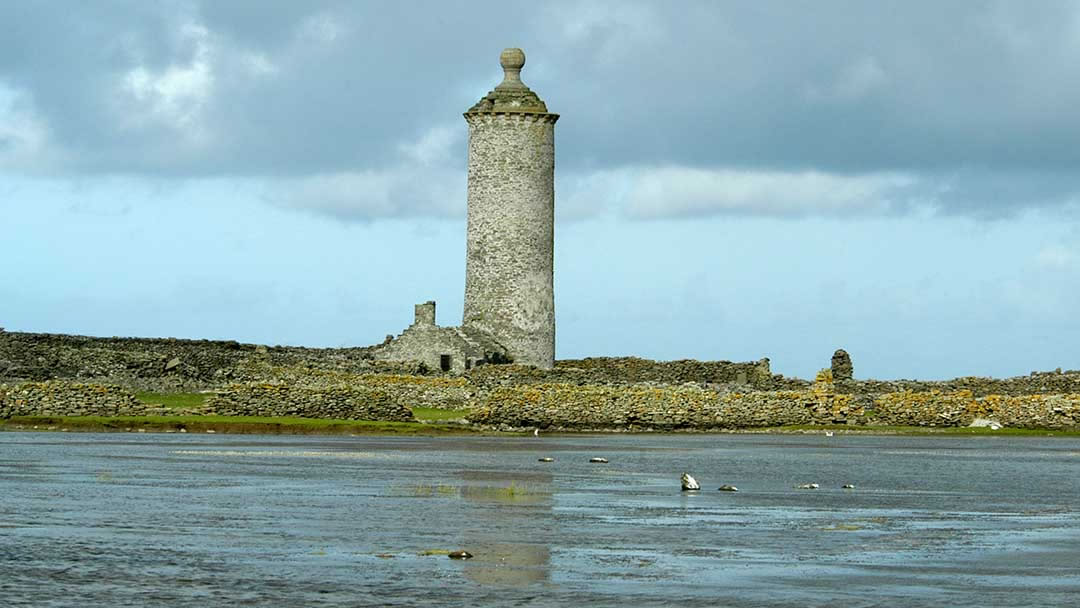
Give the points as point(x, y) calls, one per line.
point(509, 290)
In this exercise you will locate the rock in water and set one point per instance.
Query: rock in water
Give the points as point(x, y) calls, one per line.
point(598, 460)
point(728, 489)
point(807, 486)
point(849, 486)
point(689, 483)
point(459, 555)
point(546, 459)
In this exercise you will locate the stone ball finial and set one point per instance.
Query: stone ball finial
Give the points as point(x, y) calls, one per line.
point(512, 59)
point(510, 95)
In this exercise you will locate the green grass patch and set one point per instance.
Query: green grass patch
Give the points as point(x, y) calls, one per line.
point(424, 490)
point(173, 400)
point(432, 414)
point(229, 424)
point(514, 492)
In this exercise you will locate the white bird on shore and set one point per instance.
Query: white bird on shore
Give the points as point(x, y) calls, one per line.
point(828, 433)
point(536, 432)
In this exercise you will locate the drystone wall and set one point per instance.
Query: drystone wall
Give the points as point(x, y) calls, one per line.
point(564, 406)
point(164, 364)
point(169, 364)
point(420, 391)
point(960, 408)
point(279, 400)
point(61, 398)
point(634, 369)
point(1036, 383)
point(409, 390)
point(657, 407)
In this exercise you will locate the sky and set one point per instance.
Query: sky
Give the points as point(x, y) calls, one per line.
point(734, 180)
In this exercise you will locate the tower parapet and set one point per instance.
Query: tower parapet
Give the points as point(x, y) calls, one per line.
point(509, 284)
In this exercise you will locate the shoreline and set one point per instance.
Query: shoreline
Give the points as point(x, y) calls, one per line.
point(235, 425)
point(248, 425)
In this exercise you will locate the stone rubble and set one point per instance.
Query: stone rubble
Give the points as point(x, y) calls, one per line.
point(357, 402)
point(76, 375)
point(645, 407)
point(67, 399)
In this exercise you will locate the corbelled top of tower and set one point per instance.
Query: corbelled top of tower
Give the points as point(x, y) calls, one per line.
point(511, 95)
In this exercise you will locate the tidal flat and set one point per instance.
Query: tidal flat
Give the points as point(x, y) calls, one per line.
point(145, 519)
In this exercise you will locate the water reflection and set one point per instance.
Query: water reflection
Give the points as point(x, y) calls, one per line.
point(511, 503)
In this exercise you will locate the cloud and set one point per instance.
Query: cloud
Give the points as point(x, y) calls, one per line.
point(24, 137)
point(376, 194)
point(321, 29)
point(1056, 257)
point(613, 30)
point(666, 192)
point(696, 192)
point(424, 180)
point(737, 107)
point(176, 95)
point(854, 82)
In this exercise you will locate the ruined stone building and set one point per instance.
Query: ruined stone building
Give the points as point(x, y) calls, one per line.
point(509, 282)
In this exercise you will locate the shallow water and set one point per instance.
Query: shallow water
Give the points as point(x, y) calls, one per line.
point(241, 520)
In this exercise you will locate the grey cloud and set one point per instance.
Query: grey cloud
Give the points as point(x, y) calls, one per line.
point(973, 99)
point(993, 195)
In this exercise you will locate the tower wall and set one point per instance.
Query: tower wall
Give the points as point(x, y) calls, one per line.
point(509, 287)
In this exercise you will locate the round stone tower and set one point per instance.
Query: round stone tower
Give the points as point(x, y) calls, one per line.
point(509, 290)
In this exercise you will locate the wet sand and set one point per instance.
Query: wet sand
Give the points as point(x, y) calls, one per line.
point(196, 520)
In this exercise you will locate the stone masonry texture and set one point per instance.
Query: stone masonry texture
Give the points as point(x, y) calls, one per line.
point(666, 407)
point(451, 349)
point(841, 365)
point(509, 285)
point(595, 393)
point(343, 402)
point(165, 364)
point(65, 398)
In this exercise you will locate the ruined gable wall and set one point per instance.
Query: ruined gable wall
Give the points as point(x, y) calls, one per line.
point(427, 343)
